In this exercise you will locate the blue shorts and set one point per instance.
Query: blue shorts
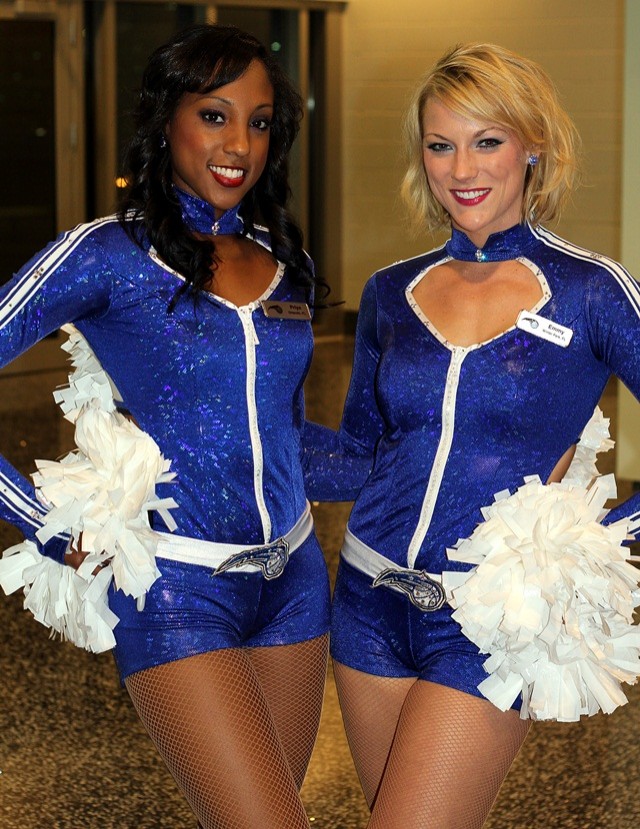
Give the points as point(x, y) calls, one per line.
point(379, 631)
point(189, 611)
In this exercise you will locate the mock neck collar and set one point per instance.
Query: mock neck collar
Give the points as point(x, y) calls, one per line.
point(199, 216)
point(506, 244)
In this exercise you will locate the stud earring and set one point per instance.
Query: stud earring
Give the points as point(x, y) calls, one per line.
point(532, 160)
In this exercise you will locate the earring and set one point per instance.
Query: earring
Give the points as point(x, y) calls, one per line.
point(163, 142)
point(532, 160)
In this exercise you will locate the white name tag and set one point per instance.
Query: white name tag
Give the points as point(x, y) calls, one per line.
point(286, 310)
point(544, 328)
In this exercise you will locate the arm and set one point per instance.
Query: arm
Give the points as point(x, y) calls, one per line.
point(62, 283)
point(613, 312)
point(336, 464)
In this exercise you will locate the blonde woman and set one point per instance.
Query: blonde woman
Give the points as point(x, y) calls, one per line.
point(476, 365)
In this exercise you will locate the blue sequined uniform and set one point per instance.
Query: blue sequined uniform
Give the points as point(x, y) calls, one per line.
point(219, 388)
point(447, 427)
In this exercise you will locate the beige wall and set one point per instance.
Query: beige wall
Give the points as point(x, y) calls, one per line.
point(628, 434)
point(388, 44)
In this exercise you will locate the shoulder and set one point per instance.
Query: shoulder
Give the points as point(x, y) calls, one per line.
point(80, 247)
point(400, 273)
point(112, 233)
point(118, 246)
point(105, 234)
point(95, 231)
point(580, 262)
point(603, 286)
point(262, 236)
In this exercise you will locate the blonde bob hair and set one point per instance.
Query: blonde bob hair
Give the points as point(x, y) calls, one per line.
point(489, 83)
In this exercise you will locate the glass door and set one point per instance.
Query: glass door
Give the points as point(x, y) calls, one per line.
point(27, 141)
point(42, 136)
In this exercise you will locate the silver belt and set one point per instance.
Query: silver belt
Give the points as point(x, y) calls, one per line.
point(425, 590)
point(269, 558)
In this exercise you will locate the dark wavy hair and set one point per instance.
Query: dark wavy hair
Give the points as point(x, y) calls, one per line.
point(199, 59)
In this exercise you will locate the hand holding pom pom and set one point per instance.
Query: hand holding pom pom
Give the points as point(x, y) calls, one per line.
point(551, 600)
point(101, 494)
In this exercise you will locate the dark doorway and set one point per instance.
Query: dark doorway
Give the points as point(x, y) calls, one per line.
point(27, 141)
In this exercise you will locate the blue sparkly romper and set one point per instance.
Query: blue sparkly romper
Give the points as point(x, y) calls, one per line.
point(219, 388)
point(446, 427)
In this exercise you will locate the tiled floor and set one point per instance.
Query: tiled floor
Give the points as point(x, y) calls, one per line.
point(73, 754)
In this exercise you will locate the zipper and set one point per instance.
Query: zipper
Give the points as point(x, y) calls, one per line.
point(251, 341)
point(442, 454)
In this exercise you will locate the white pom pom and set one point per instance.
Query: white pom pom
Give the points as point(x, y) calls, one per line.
point(551, 600)
point(593, 440)
point(103, 492)
point(89, 381)
point(105, 489)
point(59, 598)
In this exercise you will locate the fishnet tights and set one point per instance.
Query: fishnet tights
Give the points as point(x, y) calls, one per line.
point(428, 756)
point(236, 728)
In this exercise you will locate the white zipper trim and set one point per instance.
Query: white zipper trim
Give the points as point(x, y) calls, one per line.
point(251, 341)
point(277, 277)
point(544, 286)
point(458, 354)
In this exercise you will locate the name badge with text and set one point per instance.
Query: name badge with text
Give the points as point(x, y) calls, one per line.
point(553, 332)
point(286, 310)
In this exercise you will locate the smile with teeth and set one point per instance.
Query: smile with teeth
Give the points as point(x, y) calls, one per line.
point(471, 196)
point(228, 176)
point(227, 172)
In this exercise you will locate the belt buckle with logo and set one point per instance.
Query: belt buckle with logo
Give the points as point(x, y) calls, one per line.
point(425, 593)
point(271, 559)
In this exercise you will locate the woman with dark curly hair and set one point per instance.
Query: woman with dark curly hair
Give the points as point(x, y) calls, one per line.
point(194, 320)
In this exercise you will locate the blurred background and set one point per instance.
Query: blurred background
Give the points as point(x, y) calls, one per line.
point(71, 750)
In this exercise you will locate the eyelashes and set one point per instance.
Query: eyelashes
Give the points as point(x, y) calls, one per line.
point(261, 124)
point(490, 143)
point(483, 144)
point(217, 118)
point(211, 116)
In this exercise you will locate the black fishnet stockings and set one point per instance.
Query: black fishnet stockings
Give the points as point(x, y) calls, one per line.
point(236, 728)
point(428, 756)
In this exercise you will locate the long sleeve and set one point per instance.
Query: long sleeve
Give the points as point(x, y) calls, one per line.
point(613, 311)
point(337, 463)
point(63, 283)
